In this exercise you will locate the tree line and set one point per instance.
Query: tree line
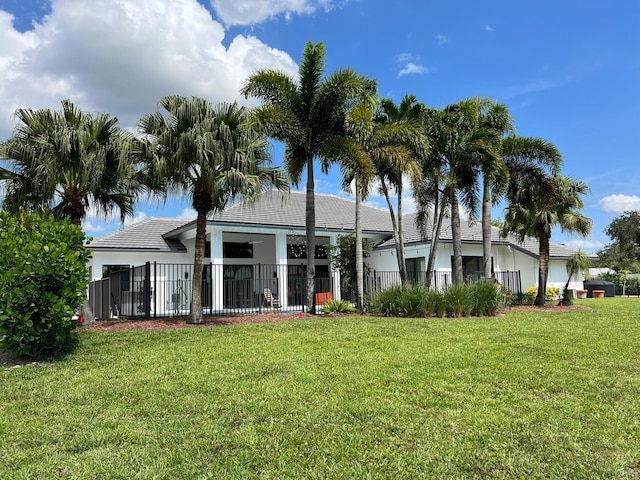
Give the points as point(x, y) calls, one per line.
point(465, 155)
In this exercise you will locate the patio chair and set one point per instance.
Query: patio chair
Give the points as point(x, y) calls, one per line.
point(270, 299)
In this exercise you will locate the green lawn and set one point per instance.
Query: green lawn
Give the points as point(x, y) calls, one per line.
point(543, 394)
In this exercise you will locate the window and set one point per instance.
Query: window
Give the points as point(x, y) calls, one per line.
point(415, 269)
point(108, 269)
point(472, 266)
point(237, 250)
point(299, 251)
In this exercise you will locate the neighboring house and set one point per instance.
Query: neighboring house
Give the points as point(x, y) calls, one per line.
point(259, 249)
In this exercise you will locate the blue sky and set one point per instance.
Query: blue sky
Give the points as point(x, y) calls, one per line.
point(568, 70)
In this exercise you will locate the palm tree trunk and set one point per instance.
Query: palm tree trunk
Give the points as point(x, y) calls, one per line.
point(486, 230)
point(543, 269)
point(396, 237)
point(458, 276)
point(195, 312)
point(402, 264)
point(436, 226)
point(359, 254)
point(311, 238)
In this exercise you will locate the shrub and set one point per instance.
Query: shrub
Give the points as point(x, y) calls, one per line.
point(458, 300)
point(43, 277)
point(488, 298)
point(337, 306)
point(481, 299)
point(530, 294)
point(387, 302)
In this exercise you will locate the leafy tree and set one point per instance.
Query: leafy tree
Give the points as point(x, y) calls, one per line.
point(307, 114)
point(344, 259)
point(213, 153)
point(43, 278)
point(537, 207)
point(623, 253)
point(67, 161)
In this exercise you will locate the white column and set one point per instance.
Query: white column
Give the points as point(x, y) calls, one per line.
point(281, 262)
point(217, 266)
point(337, 292)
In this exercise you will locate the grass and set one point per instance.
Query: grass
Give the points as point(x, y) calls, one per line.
point(542, 394)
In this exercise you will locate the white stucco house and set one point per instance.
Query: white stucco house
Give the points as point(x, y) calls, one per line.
point(259, 249)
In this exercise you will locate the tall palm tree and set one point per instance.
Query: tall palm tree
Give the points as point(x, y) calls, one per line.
point(67, 161)
point(307, 114)
point(214, 153)
point(457, 145)
point(405, 121)
point(496, 119)
point(357, 166)
point(537, 206)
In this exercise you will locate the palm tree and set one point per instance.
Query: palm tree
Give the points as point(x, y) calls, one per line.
point(66, 162)
point(537, 206)
point(577, 262)
point(495, 118)
point(458, 143)
point(307, 114)
point(215, 154)
point(404, 121)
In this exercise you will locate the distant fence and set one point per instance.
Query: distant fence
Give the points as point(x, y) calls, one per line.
point(156, 290)
point(377, 281)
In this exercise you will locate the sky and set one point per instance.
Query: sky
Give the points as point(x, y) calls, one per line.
point(568, 70)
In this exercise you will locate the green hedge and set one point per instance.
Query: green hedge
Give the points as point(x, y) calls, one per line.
point(43, 277)
point(414, 300)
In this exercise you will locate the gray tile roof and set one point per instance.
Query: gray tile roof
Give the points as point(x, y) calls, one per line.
point(472, 232)
point(145, 235)
point(288, 209)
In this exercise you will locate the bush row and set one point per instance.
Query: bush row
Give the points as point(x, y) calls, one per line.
point(476, 299)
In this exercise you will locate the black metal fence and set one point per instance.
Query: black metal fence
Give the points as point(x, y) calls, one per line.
point(377, 281)
point(156, 290)
point(163, 290)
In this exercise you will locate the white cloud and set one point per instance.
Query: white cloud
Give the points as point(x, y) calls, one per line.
point(411, 69)
point(488, 28)
point(442, 39)
point(619, 203)
point(91, 227)
point(138, 217)
point(584, 244)
point(188, 214)
point(250, 12)
point(122, 56)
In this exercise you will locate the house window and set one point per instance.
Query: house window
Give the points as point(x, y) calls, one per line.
point(415, 269)
point(472, 266)
point(237, 250)
point(108, 269)
point(299, 251)
point(207, 249)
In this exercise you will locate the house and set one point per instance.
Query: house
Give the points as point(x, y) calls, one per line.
point(256, 253)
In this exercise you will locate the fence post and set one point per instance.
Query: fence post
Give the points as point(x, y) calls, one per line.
point(147, 290)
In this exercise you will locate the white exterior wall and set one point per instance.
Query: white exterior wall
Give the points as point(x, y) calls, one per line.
point(505, 258)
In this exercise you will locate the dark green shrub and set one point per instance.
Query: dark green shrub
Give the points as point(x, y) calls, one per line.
point(458, 301)
point(43, 277)
point(337, 306)
point(488, 298)
point(387, 302)
point(411, 301)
